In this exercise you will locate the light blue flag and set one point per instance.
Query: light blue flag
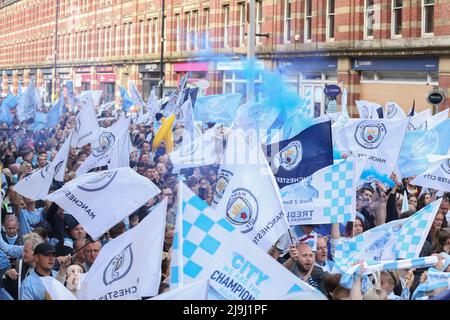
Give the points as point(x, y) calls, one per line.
point(135, 96)
point(217, 108)
point(27, 103)
point(399, 239)
point(40, 121)
point(418, 144)
point(435, 280)
point(207, 246)
point(127, 103)
point(55, 112)
point(8, 103)
point(19, 89)
point(70, 93)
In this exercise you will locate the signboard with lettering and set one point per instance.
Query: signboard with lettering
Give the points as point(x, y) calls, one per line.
point(435, 97)
point(332, 90)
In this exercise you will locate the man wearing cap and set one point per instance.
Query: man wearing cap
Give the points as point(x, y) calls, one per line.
point(32, 287)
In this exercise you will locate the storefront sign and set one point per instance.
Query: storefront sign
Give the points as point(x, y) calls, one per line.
point(105, 69)
point(190, 66)
point(106, 77)
point(238, 65)
point(332, 90)
point(435, 97)
point(83, 70)
point(152, 67)
point(308, 64)
point(396, 64)
point(85, 78)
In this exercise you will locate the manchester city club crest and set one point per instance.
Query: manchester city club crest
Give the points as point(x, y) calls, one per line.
point(255, 111)
point(119, 266)
point(242, 209)
point(105, 143)
point(98, 183)
point(446, 166)
point(370, 135)
point(425, 144)
point(222, 182)
point(290, 156)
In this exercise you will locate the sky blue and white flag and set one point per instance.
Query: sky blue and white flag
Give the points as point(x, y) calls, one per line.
point(327, 196)
point(129, 266)
point(367, 109)
point(105, 146)
point(435, 280)
point(87, 128)
point(349, 272)
point(417, 122)
point(252, 203)
point(294, 159)
point(127, 102)
point(207, 246)
point(99, 200)
point(95, 95)
point(379, 140)
point(219, 108)
point(135, 95)
point(436, 177)
point(418, 144)
point(27, 102)
point(40, 121)
point(399, 239)
point(55, 112)
point(394, 111)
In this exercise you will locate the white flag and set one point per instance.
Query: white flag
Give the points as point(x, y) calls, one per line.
point(207, 246)
point(436, 177)
point(56, 290)
point(95, 95)
point(99, 200)
point(36, 185)
point(120, 153)
point(103, 148)
point(86, 124)
point(252, 203)
point(436, 119)
point(417, 122)
point(197, 290)
point(367, 109)
point(129, 267)
point(199, 152)
point(60, 161)
point(394, 111)
point(327, 196)
point(378, 139)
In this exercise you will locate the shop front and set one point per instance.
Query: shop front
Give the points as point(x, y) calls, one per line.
point(106, 78)
point(83, 78)
point(149, 73)
point(308, 77)
point(196, 72)
point(399, 79)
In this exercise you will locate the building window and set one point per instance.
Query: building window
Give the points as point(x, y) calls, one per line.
point(150, 35)
point(330, 19)
point(236, 82)
point(125, 31)
point(308, 20)
point(195, 29)
point(400, 77)
point(242, 24)
point(205, 40)
point(427, 17)
point(177, 32)
point(226, 26)
point(369, 19)
point(141, 36)
point(188, 30)
point(155, 23)
point(287, 21)
point(397, 18)
point(259, 20)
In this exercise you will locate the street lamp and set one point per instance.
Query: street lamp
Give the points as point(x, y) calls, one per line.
point(161, 58)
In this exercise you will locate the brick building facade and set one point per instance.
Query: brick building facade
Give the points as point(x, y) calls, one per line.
point(379, 50)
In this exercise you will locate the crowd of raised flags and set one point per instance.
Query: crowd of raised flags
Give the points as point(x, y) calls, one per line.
point(246, 190)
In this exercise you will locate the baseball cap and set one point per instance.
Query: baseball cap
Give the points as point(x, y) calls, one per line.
point(44, 249)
